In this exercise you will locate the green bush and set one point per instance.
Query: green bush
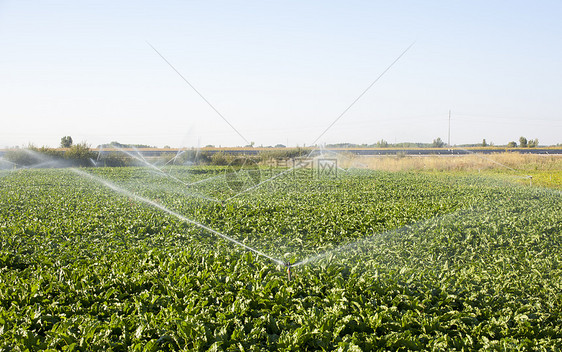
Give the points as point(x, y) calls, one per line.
point(80, 155)
point(115, 159)
point(33, 156)
point(20, 157)
point(288, 153)
point(221, 158)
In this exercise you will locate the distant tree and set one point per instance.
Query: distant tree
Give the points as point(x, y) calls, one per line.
point(166, 147)
point(116, 144)
point(532, 143)
point(438, 143)
point(210, 146)
point(484, 144)
point(523, 142)
point(512, 144)
point(280, 146)
point(66, 142)
point(382, 144)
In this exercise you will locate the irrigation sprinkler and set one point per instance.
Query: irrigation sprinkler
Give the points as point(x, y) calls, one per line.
point(288, 265)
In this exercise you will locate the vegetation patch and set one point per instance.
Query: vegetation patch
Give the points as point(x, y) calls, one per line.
point(391, 261)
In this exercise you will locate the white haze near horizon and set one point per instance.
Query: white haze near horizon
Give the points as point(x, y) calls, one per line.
point(280, 72)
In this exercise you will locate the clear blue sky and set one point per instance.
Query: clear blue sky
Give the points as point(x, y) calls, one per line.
point(279, 71)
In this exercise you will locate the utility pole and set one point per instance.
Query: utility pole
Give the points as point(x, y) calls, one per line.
point(449, 137)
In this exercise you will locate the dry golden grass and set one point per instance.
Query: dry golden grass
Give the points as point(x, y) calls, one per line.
point(473, 162)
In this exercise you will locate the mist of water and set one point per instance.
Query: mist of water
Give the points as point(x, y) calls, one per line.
point(7, 165)
point(94, 163)
point(173, 213)
point(179, 190)
point(249, 189)
point(143, 161)
point(343, 248)
point(342, 156)
point(163, 173)
point(369, 241)
point(49, 164)
point(208, 179)
point(43, 161)
point(140, 154)
point(178, 154)
point(478, 207)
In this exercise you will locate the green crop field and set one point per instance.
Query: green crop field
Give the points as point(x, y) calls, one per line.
point(118, 259)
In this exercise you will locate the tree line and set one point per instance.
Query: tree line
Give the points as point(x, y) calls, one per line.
point(83, 156)
point(437, 143)
point(524, 143)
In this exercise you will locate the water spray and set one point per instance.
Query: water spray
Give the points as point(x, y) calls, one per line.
point(246, 140)
point(289, 265)
point(265, 181)
point(10, 163)
point(173, 160)
point(177, 215)
point(160, 171)
point(143, 160)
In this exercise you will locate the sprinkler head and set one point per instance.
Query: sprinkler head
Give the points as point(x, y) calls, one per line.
point(288, 265)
